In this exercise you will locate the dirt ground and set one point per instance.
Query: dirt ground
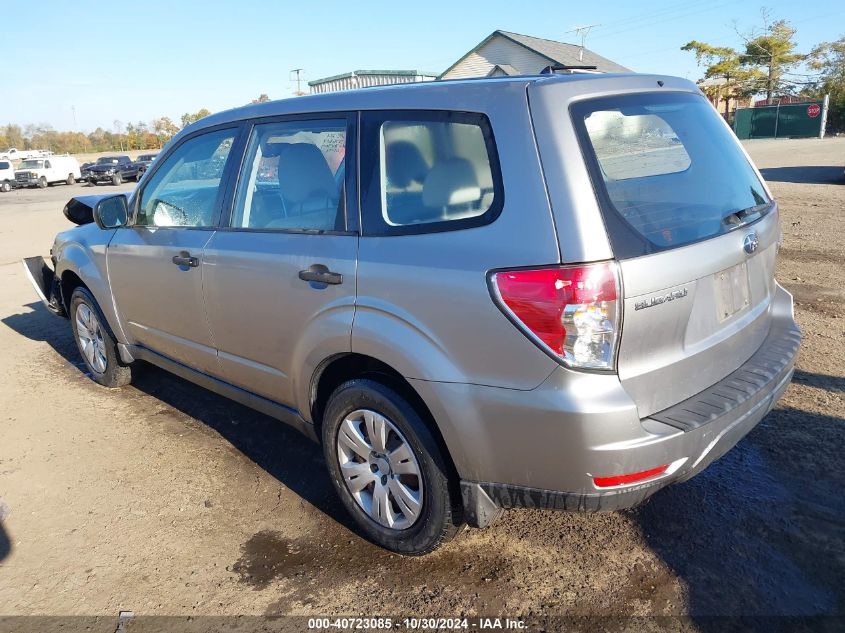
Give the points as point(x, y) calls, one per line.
point(165, 499)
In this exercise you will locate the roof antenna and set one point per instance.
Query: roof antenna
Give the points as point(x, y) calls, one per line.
point(581, 31)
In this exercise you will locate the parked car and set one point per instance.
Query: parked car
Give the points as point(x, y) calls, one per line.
point(40, 172)
point(143, 162)
point(7, 175)
point(113, 169)
point(22, 154)
point(476, 295)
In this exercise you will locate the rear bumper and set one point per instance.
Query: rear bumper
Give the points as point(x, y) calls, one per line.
point(542, 448)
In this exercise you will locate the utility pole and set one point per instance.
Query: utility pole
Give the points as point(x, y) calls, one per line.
point(298, 80)
point(73, 110)
point(581, 31)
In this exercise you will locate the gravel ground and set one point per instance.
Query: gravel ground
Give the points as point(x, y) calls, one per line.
point(165, 499)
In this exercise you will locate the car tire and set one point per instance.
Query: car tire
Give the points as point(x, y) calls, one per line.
point(92, 183)
point(70, 179)
point(42, 182)
point(116, 180)
point(96, 342)
point(420, 474)
point(5, 186)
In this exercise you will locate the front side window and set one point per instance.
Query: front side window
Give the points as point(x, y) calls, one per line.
point(428, 171)
point(667, 170)
point(293, 177)
point(184, 189)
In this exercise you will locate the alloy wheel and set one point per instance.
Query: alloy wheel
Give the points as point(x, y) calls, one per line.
point(91, 341)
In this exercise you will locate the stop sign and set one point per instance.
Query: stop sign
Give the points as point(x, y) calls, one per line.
point(814, 110)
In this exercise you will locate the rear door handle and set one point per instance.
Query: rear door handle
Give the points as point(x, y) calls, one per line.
point(320, 274)
point(184, 259)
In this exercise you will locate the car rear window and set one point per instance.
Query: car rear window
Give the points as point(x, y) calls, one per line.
point(667, 171)
point(428, 171)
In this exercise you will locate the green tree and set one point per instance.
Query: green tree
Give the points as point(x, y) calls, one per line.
point(773, 53)
point(188, 118)
point(164, 129)
point(14, 136)
point(828, 58)
point(724, 63)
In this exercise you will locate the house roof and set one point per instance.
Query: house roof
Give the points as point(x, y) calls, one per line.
point(507, 69)
point(556, 52)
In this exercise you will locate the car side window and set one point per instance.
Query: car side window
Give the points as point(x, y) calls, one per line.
point(428, 171)
point(293, 177)
point(184, 189)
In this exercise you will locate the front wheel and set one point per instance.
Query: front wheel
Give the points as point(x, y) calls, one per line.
point(5, 186)
point(42, 182)
point(95, 341)
point(386, 467)
point(116, 179)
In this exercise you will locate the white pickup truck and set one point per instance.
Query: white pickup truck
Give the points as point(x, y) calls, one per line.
point(14, 153)
point(45, 171)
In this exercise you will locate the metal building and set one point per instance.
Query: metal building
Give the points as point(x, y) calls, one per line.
point(364, 78)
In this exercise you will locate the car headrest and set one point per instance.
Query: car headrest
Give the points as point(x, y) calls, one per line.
point(404, 164)
point(304, 173)
point(451, 182)
point(269, 150)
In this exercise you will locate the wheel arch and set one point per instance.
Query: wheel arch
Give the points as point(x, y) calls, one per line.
point(76, 266)
point(340, 368)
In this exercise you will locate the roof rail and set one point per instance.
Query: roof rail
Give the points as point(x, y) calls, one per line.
point(554, 68)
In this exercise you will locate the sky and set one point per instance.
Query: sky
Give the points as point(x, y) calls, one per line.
point(79, 65)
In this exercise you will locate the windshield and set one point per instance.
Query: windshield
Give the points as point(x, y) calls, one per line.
point(107, 160)
point(32, 164)
point(667, 170)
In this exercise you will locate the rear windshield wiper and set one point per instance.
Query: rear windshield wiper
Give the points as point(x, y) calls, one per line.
point(739, 217)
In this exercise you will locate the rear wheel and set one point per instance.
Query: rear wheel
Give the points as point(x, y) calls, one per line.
point(42, 182)
point(387, 468)
point(96, 342)
point(70, 179)
point(116, 179)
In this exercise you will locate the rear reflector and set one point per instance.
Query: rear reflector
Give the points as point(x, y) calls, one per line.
point(570, 311)
point(619, 480)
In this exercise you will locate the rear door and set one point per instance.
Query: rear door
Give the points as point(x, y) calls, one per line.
point(155, 265)
point(695, 232)
point(280, 276)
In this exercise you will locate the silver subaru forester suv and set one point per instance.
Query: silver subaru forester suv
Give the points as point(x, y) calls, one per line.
point(550, 291)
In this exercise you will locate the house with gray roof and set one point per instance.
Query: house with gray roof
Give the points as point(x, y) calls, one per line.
point(503, 53)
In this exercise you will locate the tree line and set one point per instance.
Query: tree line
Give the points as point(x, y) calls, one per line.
point(768, 63)
point(122, 137)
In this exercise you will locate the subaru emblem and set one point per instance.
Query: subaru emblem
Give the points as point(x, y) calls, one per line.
point(750, 243)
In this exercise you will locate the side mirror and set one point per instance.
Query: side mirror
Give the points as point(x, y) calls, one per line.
point(111, 212)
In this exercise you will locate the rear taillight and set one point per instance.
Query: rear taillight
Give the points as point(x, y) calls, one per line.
point(569, 311)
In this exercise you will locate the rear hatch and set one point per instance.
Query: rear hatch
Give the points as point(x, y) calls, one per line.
point(695, 233)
